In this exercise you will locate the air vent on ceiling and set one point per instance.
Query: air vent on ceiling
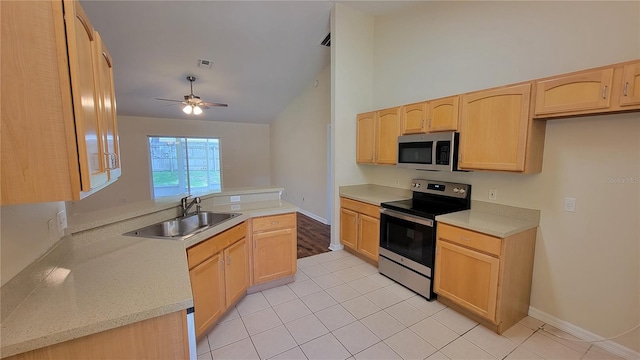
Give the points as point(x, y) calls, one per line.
point(203, 63)
point(327, 40)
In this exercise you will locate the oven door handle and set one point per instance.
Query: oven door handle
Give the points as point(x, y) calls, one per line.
point(402, 216)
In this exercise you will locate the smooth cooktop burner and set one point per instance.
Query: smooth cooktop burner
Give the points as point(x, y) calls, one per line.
point(423, 208)
point(432, 198)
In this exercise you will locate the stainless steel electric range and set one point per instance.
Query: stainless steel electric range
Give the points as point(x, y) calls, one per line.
point(408, 232)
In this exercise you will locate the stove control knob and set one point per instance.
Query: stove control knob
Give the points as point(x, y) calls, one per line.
point(462, 191)
point(456, 190)
point(417, 185)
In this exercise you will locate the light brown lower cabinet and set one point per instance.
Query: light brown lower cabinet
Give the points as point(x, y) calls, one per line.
point(360, 228)
point(274, 247)
point(162, 337)
point(219, 274)
point(485, 277)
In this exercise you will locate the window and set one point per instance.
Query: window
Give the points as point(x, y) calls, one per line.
point(184, 165)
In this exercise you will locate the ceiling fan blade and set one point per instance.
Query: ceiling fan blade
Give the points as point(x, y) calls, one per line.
point(214, 104)
point(169, 100)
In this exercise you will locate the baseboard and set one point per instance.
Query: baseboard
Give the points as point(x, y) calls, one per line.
point(334, 247)
point(580, 333)
point(313, 216)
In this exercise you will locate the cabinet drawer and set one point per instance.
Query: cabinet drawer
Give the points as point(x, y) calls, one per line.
point(471, 239)
point(274, 222)
point(204, 250)
point(360, 207)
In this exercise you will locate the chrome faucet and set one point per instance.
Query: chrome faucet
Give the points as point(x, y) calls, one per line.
point(185, 205)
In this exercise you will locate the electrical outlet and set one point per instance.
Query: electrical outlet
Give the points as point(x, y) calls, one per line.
point(570, 204)
point(397, 182)
point(234, 198)
point(61, 217)
point(53, 229)
point(493, 194)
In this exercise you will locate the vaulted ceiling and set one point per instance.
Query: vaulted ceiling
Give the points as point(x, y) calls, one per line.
point(263, 52)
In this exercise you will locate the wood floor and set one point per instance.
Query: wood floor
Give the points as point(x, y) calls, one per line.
point(314, 237)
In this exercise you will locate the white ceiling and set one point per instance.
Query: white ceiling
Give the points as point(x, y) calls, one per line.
point(264, 53)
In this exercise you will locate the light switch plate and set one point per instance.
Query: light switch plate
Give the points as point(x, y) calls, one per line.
point(570, 204)
point(234, 198)
point(61, 217)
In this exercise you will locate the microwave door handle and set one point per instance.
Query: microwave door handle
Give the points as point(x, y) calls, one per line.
point(401, 216)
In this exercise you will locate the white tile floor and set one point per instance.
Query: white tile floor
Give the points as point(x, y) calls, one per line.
point(339, 307)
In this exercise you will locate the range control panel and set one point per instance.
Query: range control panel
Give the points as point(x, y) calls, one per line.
point(440, 188)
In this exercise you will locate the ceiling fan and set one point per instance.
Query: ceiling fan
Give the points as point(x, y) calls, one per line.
point(192, 103)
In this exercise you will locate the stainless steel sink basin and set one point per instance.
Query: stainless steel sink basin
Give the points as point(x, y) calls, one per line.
point(182, 227)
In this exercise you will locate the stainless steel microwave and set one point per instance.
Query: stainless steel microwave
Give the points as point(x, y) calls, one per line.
point(433, 151)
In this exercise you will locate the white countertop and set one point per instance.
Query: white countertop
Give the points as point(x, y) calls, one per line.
point(111, 282)
point(374, 194)
point(487, 223)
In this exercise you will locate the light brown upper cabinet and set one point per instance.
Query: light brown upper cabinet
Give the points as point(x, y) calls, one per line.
point(613, 88)
point(377, 136)
point(578, 92)
point(497, 133)
point(366, 138)
point(431, 116)
point(52, 136)
point(107, 110)
point(414, 118)
point(443, 114)
point(630, 93)
point(387, 132)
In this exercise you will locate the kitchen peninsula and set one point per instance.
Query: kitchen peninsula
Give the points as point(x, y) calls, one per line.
point(96, 280)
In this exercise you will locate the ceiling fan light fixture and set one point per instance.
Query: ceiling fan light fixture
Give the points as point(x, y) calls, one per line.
point(187, 109)
point(197, 110)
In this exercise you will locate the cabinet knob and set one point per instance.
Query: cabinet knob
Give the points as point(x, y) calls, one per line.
point(604, 92)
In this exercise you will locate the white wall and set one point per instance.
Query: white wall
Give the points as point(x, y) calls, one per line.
point(24, 235)
point(299, 148)
point(587, 267)
point(244, 150)
point(351, 93)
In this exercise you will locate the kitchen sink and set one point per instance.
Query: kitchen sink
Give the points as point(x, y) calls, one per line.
point(181, 228)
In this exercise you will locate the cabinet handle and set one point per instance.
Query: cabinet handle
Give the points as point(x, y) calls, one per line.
point(624, 90)
point(604, 92)
point(465, 238)
point(275, 222)
point(429, 124)
point(228, 260)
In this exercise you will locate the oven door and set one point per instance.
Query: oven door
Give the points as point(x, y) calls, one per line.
point(409, 236)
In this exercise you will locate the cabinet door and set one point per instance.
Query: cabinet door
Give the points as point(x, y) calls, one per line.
point(349, 228)
point(365, 138)
point(494, 125)
point(387, 132)
point(630, 94)
point(443, 114)
point(38, 165)
point(579, 92)
point(81, 47)
point(107, 108)
point(236, 273)
point(207, 285)
point(413, 117)
point(369, 241)
point(274, 255)
point(467, 277)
